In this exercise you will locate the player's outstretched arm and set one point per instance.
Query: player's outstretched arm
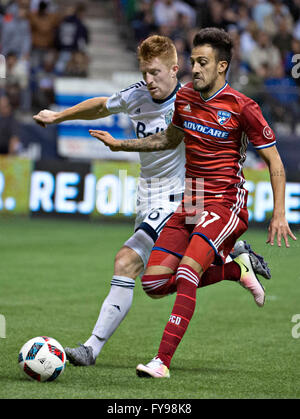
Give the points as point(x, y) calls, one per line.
point(164, 140)
point(88, 109)
point(278, 225)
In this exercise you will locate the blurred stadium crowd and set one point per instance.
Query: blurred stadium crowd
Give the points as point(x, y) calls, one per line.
point(40, 41)
point(266, 36)
point(45, 39)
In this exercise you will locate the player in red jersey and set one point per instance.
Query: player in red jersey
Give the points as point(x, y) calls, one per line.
point(216, 123)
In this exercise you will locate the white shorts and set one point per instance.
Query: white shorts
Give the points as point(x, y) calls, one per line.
point(148, 225)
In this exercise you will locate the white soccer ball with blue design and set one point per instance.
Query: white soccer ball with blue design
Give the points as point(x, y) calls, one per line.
point(42, 359)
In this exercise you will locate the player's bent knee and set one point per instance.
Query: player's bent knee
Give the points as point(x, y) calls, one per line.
point(199, 254)
point(159, 285)
point(128, 263)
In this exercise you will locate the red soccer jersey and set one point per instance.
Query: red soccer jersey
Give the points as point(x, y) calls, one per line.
point(217, 131)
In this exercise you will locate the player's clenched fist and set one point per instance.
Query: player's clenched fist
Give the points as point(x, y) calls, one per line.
point(45, 117)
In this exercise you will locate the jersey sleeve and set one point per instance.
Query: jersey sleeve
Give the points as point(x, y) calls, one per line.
point(117, 103)
point(177, 119)
point(256, 127)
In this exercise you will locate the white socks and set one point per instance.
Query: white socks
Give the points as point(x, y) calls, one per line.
point(114, 309)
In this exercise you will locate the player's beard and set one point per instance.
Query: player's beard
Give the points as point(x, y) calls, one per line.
point(204, 88)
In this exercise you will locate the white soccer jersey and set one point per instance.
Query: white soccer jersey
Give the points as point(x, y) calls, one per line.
point(162, 172)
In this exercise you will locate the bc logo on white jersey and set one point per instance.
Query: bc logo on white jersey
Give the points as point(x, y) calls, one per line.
point(169, 116)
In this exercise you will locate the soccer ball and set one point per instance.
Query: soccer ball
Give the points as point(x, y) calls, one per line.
point(42, 359)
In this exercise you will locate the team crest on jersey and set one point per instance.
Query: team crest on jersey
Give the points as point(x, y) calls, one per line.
point(223, 117)
point(169, 116)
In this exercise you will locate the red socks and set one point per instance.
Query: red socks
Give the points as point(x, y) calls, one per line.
point(159, 285)
point(183, 310)
point(187, 281)
point(229, 271)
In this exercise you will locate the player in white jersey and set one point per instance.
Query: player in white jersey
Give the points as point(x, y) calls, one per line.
point(161, 182)
point(149, 104)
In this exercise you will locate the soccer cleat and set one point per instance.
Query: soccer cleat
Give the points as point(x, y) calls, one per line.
point(249, 279)
point(155, 368)
point(259, 265)
point(81, 356)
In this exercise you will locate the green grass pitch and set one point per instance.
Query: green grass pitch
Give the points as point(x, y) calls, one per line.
point(54, 276)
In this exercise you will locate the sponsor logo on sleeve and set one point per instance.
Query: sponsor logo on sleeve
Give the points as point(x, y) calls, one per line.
point(268, 133)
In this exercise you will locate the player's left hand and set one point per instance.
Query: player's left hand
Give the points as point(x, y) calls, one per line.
point(106, 139)
point(280, 227)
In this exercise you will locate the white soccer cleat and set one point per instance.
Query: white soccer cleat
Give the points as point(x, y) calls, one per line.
point(249, 279)
point(155, 368)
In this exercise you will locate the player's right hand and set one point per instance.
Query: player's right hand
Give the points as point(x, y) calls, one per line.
point(107, 139)
point(45, 117)
point(279, 227)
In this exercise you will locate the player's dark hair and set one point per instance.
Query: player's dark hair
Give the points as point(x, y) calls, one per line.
point(219, 40)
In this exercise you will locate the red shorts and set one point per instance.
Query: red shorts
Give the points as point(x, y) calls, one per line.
point(217, 226)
